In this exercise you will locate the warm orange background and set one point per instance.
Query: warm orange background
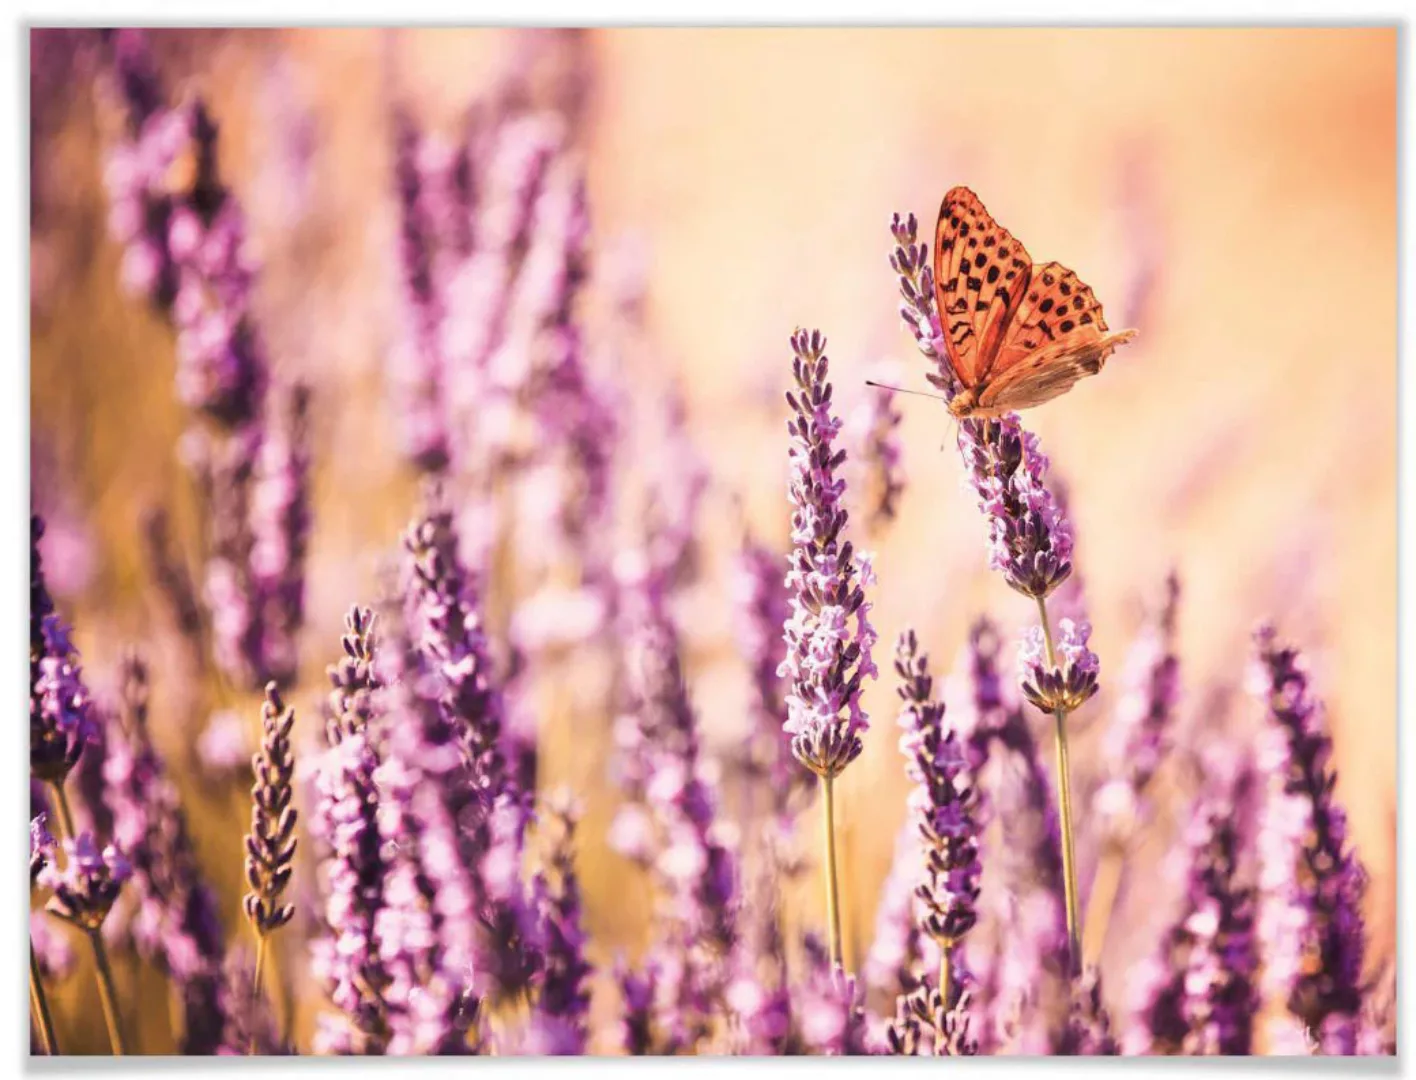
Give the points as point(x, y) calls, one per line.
point(1248, 437)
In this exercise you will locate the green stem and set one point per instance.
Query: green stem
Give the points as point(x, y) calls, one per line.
point(256, 987)
point(833, 905)
point(107, 995)
point(946, 974)
point(39, 1007)
point(1064, 805)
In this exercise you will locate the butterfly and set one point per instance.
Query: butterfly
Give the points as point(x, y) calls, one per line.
point(1016, 335)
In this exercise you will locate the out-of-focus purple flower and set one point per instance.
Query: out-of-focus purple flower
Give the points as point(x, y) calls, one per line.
point(1088, 1028)
point(86, 887)
point(280, 526)
point(872, 432)
point(827, 658)
point(1027, 988)
point(52, 950)
point(562, 983)
point(430, 930)
point(942, 802)
point(1030, 540)
point(1310, 882)
point(175, 922)
point(637, 994)
point(1069, 683)
point(828, 1008)
point(173, 581)
point(347, 959)
point(420, 368)
point(673, 804)
point(1139, 734)
point(270, 845)
point(223, 747)
point(445, 612)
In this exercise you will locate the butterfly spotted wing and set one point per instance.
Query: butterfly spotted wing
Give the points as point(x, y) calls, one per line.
point(1016, 335)
point(980, 275)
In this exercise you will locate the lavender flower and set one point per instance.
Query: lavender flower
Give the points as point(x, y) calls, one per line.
point(1209, 1003)
point(351, 705)
point(942, 802)
point(445, 607)
point(1068, 683)
point(348, 960)
point(280, 526)
point(421, 366)
point(637, 994)
point(176, 923)
point(693, 865)
point(828, 1007)
point(430, 930)
point(1088, 1029)
point(924, 1026)
point(826, 660)
point(1310, 882)
point(910, 260)
point(1030, 541)
point(270, 845)
point(87, 886)
point(61, 719)
point(562, 982)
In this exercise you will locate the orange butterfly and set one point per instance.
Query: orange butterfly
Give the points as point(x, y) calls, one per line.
point(1016, 335)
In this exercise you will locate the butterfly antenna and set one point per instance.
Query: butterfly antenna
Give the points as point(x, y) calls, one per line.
point(902, 390)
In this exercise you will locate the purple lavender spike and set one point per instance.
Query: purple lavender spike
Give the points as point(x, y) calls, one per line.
point(827, 660)
point(1310, 881)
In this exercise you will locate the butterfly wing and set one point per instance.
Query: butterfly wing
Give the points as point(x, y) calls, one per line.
point(980, 276)
point(1057, 336)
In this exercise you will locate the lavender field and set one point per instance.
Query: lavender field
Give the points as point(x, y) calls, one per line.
point(480, 602)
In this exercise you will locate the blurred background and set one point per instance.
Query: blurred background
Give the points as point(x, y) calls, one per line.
point(1229, 193)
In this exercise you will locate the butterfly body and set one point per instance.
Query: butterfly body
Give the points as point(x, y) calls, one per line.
point(1015, 335)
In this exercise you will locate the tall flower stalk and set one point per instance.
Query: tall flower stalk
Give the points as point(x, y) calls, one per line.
point(1310, 881)
point(942, 804)
point(270, 845)
point(828, 658)
point(1030, 539)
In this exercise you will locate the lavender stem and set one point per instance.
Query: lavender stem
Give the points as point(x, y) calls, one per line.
point(833, 904)
point(107, 995)
point(1064, 807)
point(256, 986)
point(39, 1007)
